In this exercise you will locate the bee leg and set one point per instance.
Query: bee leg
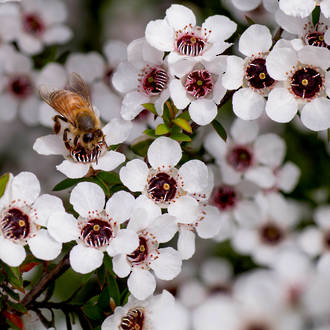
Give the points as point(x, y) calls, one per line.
point(75, 141)
point(57, 124)
point(67, 145)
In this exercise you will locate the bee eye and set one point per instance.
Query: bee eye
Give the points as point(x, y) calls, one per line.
point(98, 133)
point(88, 137)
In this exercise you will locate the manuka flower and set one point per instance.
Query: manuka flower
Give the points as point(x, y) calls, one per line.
point(304, 86)
point(151, 228)
point(115, 132)
point(23, 213)
point(144, 78)
point(304, 8)
point(97, 230)
point(247, 155)
point(250, 73)
point(168, 187)
point(178, 34)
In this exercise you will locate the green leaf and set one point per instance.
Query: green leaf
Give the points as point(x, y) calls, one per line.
point(104, 299)
point(181, 137)
point(185, 115)
point(150, 132)
point(162, 129)
point(114, 147)
point(110, 178)
point(184, 124)
point(14, 277)
point(113, 289)
point(150, 107)
point(17, 307)
point(166, 115)
point(124, 297)
point(3, 183)
point(92, 310)
point(67, 183)
point(141, 147)
point(249, 20)
point(316, 15)
point(10, 292)
point(219, 129)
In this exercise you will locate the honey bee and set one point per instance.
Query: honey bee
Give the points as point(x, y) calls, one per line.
point(83, 136)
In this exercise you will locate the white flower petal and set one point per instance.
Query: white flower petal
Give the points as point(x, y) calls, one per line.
point(215, 145)
point(186, 243)
point(58, 34)
point(247, 213)
point(244, 131)
point(179, 16)
point(317, 56)
point(325, 8)
point(125, 242)
point(117, 131)
point(228, 174)
point(281, 105)
point(43, 246)
point(124, 79)
point(311, 241)
point(132, 104)
point(160, 35)
point(141, 283)
point(73, 170)
point(49, 145)
point(294, 25)
point(63, 227)
point(46, 205)
point(280, 61)
point(163, 228)
point(322, 216)
point(109, 161)
point(185, 209)
point(114, 206)
point(134, 175)
point(221, 27)
point(168, 264)
point(247, 104)
point(219, 91)
point(115, 51)
point(10, 253)
point(210, 225)
point(315, 115)
point(164, 152)
point(85, 259)
point(255, 39)
point(262, 176)
point(53, 74)
point(29, 111)
point(233, 78)
point(297, 7)
point(287, 177)
point(178, 94)
point(270, 149)
point(194, 175)
point(246, 5)
point(25, 186)
point(29, 44)
point(120, 265)
point(203, 111)
point(87, 197)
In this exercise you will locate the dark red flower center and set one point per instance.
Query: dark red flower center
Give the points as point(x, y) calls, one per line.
point(224, 197)
point(271, 234)
point(155, 81)
point(326, 240)
point(133, 320)
point(96, 233)
point(199, 83)
point(141, 253)
point(15, 225)
point(316, 39)
point(162, 187)
point(257, 326)
point(190, 45)
point(142, 116)
point(32, 23)
point(257, 75)
point(21, 86)
point(306, 83)
point(240, 158)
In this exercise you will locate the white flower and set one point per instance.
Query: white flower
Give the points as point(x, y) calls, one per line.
point(248, 5)
point(97, 230)
point(23, 213)
point(40, 24)
point(314, 240)
point(251, 73)
point(115, 132)
point(178, 34)
point(157, 312)
point(151, 229)
point(304, 86)
point(272, 232)
point(309, 34)
point(304, 8)
point(144, 78)
point(10, 22)
point(17, 87)
point(247, 156)
point(200, 86)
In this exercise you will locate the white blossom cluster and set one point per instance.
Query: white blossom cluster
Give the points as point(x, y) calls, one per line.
point(235, 192)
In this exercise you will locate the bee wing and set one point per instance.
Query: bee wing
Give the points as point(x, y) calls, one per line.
point(65, 102)
point(79, 86)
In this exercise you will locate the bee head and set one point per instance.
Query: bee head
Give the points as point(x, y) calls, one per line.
point(90, 136)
